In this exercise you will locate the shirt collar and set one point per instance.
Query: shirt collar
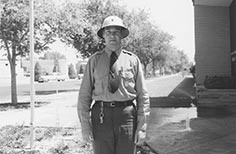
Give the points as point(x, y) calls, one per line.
point(109, 52)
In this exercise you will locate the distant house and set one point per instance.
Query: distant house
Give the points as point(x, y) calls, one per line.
point(47, 65)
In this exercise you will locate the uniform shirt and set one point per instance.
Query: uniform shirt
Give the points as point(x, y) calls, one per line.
point(94, 85)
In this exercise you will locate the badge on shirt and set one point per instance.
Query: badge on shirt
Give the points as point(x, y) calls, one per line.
point(126, 83)
point(128, 77)
point(126, 74)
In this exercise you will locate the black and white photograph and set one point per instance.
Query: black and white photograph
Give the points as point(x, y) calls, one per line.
point(117, 77)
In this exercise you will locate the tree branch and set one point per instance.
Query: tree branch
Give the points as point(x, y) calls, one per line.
point(8, 50)
point(22, 37)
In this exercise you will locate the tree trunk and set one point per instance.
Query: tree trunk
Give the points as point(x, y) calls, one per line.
point(161, 70)
point(13, 81)
point(153, 68)
point(145, 70)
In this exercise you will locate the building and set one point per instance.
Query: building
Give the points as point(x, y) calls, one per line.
point(6, 71)
point(215, 54)
point(47, 65)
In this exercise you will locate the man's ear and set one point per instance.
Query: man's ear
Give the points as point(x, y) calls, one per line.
point(103, 34)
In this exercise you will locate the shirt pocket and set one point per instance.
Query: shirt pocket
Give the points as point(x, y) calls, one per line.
point(128, 80)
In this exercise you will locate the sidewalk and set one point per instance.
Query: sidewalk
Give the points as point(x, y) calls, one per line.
point(178, 130)
point(61, 112)
point(191, 135)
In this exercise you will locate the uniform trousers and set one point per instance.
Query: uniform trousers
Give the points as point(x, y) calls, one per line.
point(115, 135)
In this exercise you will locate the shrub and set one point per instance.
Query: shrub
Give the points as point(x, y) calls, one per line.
point(71, 72)
point(219, 82)
point(37, 71)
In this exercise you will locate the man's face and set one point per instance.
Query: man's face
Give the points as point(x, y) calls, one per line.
point(112, 36)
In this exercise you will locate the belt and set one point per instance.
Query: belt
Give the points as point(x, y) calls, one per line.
point(115, 103)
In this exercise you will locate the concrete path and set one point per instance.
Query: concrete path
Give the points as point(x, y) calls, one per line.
point(204, 136)
point(61, 112)
point(178, 130)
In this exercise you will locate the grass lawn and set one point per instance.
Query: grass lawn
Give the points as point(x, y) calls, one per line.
point(15, 139)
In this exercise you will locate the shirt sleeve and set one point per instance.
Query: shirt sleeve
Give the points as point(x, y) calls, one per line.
point(85, 96)
point(143, 101)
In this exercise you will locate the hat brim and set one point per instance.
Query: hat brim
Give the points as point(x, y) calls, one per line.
point(124, 31)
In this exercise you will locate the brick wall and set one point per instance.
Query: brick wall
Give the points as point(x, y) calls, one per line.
point(233, 36)
point(212, 41)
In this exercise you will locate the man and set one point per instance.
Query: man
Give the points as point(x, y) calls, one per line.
point(113, 90)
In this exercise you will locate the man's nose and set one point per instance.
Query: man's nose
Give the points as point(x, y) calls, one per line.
point(113, 33)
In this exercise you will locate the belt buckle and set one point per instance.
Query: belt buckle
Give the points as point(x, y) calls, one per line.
point(112, 104)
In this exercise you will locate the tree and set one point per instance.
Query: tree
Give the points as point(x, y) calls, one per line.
point(161, 44)
point(73, 28)
point(37, 71)
point(14, 31)
point(71, 72)
point(81, 69)
point(142, 36)
point(175, 60)
point(79, 23)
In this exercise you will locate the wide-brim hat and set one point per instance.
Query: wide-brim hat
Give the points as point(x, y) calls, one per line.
point(113, 21)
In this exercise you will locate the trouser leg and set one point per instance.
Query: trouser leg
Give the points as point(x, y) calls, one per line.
point(103, 133)
point(116, 134)
point(125, 126)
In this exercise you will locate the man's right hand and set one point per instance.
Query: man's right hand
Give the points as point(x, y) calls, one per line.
point(87, 136)
point(87, 133)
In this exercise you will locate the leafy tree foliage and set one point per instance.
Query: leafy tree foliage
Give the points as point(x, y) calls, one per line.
point(146, 40)
point(74, 29)
point(79, 23)
point(81, 69)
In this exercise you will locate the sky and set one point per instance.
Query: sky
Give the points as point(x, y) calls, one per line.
point(175, 17)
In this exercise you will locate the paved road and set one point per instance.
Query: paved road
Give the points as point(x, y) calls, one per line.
point(23, 88)
point(157, 87)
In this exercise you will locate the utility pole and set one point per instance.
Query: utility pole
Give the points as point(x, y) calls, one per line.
point(32, 88)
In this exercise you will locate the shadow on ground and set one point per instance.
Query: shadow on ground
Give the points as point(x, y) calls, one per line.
point(183, 95)
point(48, 92)
point(204, 136)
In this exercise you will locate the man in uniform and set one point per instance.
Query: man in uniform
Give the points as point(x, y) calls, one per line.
point(113, 104)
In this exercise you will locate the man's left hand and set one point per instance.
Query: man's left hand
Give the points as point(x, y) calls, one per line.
point(140, 133)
